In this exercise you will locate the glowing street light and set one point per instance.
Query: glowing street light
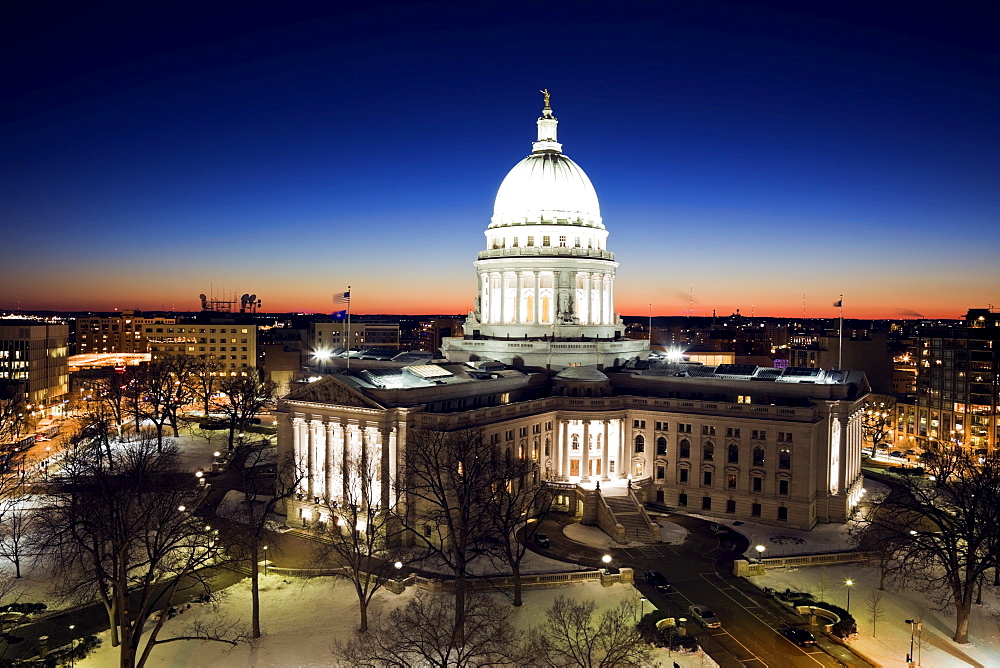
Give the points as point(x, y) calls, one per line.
point(849, 584)
point(607, 563)
point(265, 560)
point(760, 551)
point(399, 570)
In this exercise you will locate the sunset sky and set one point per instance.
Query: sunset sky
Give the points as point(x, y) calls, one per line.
point(751, 152)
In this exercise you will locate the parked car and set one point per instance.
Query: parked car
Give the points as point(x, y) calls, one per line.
point(897, 453)
point(542, 541)
point(657, 579)
point(704, 616)
point(799, 636)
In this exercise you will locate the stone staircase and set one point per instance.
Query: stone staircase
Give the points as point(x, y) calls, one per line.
point(629, 514)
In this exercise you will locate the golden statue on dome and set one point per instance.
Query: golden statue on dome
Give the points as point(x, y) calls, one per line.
point(545, 92)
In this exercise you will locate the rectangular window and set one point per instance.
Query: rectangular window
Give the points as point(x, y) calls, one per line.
point(743, 399)
point(638, 424)
point(562, 241)
point(758, 484)
point(548, 426)
point(509, 435)
point(733, 432)
point(707, 430)
point(706, 503)
point(531, 241)
point(783, 487)
point(546, 241)
point(536, 429)
point(730, 505)
point(522, 432)
point(731, 481)
point(706, 478)
point(783, 514)
point(682, 500)
point(682, 475)
point(755, 510)
point(661, 472)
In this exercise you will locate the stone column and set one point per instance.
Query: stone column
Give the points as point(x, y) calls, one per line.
point(605, 446)
point(538, 297)
point(331, 460)
point(348, 458)
point(585, 453)
point(564, 448)
point(625, 461)
point(484, 298)
point(311, 459)
point(319, 456)
point(383, 467)
point(517, 297)
point(393, 467)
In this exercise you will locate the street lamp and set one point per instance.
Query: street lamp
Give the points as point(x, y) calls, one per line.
point(919, 627)
point(265, 560)
point(642, 607)
point(607, 563)
point(760, 552)
point(849, 584)
point(72, 645)
point(399, 570)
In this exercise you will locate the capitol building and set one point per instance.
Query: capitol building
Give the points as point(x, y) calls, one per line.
point(544, 372)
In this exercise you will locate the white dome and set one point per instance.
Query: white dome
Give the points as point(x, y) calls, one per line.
point(547, 187)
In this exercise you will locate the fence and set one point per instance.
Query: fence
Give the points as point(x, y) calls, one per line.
point(743, 567)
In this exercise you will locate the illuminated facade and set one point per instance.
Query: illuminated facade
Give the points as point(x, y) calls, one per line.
point(780, 447)
point(233, 346)
point(120, 333)
point(958, 383)
point(546, 279)
point(741, 442)
point(33, 357)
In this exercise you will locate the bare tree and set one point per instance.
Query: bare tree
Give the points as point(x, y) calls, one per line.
point(877, 419)
point(16, 512)
point(876, 608)
point(448, 478)
point(245, 397)
point(880, 542)
point(572, 636)
point(519, 499)
point(422, 634)
point(943, 527)
point(162, 391)
point(250, 531)
point(357, 534)
point(121, 529)
point(204, 380)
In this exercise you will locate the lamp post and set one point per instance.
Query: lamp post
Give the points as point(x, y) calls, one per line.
point(760, 552)
point(72, 645)
point(265, 561)
point(642, 607)
point(849, 584)
point(607, 563)
point(399, 570)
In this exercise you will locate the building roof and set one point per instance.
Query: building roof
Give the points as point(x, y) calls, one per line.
point(582, 373)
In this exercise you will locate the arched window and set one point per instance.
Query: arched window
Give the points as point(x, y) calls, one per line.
point(547, 453)
point(529, 308)
point(785, 458)
point(734, 454)
point(640, 443)
point(575, 442)
point(661, 446)
point(758, 456)
point(685, 448)
point(708, 451)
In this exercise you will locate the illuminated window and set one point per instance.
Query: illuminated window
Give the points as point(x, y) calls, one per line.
point(546, 241)
point(531, 241)
point(562, 242)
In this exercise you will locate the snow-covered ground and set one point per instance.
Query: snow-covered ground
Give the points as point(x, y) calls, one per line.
point(302, 618)
point(889, 641)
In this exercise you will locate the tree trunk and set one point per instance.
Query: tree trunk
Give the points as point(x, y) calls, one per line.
point(515, 571)
point(255, 592)
point(364, 608)
point(458, 635)
point(963, 609)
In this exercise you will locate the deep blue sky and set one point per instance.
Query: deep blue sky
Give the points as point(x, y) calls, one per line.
point(754, 151)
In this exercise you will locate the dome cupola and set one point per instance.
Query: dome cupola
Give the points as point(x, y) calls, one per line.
point(546, 187)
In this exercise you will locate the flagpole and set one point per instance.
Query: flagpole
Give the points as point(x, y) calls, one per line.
point(840, 353)
point(348, 328)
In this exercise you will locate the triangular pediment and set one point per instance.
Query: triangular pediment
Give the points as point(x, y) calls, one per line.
point(331, 390)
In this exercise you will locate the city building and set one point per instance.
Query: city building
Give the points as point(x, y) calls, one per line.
point(362, 335)
point(868, 352)
point(123, 332)
point(958, 383)
point(33, 357)
point(232, 345)
point(543, 372)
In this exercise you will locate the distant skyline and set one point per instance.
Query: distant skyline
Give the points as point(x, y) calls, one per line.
point(757, 153)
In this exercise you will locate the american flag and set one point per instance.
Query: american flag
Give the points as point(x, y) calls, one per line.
point(342, 298)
